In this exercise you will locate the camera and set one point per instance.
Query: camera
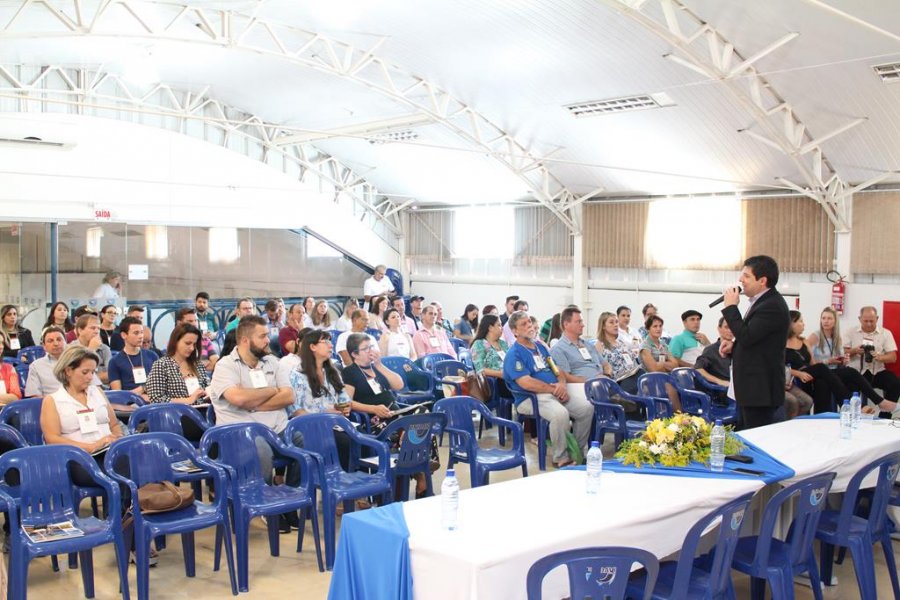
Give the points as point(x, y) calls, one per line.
point(868, 353)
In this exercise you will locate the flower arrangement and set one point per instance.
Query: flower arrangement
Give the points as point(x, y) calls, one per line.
point(675, 442)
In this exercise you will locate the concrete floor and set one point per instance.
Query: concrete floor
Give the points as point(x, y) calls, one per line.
point(293, 575)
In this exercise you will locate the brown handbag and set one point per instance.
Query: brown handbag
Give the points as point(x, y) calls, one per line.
point(163, 497)
point(479, 388)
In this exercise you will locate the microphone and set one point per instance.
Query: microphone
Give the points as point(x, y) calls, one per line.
point(721, 298)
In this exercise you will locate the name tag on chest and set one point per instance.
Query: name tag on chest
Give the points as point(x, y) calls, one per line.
point(15, 344)
point(539, 363)
point(583, 351)
point(192, 384)
point(376, 387)
point(434, 342)
point(140, 375)
point(204, 326)
point(258, 378)
point(87, 421)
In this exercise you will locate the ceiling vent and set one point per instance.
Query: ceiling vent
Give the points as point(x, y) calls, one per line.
point(889, 73)
point(619, 105)
point(35, 142)
point(388, 137)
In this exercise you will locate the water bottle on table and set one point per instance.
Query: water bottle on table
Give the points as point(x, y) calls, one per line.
point(856, 409)
point(846, 420)
point(717, 447)
point(594, 468)
point(450, 501)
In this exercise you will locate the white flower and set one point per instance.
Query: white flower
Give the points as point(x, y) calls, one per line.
point(655, 449)
point(673, 427)
point(642, 444)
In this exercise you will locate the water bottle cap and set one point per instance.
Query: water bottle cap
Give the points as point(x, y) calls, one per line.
point(847, 401)
point(595, 444)
point(451, 472)
point(718, 422)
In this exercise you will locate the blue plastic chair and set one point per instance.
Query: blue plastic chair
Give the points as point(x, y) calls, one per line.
point(766, 558)
point(414, 452)
point(542, 426)
point(428, 361)
point(250, 496)
point(10, 439)
point(606, 390)
point(44, 497)
point(335, 334)
point(464, 446)
point(595, 572)
point(843, 528)
point(169, 417)
point(689, 379)
point(708, 576)
point(29, 354)
point(465, 357)
point(458, 344)
point(609, 417)
point(22, 373)
point(148, 458)
point(125, 397)
point(448, 368)
point(396, 280)
point(375, 333)
point(336, 484)
point(25, 416)
point(404, 368)
point(692, 401)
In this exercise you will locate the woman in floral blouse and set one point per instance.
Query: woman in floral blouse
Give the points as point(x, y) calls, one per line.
point(489, 350)
point(625, 370)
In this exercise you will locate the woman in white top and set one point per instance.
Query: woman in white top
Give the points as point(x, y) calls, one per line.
point(395, 341)
point(628, 335)
point(344, 322)
point(78, 413)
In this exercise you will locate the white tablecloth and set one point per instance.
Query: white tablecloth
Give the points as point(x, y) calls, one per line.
point(506, 527)
point(811, 446)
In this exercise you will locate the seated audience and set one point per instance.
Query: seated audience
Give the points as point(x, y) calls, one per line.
point(245, 307)
point(87, 330)
point(870, 348)
point(321, 318)
point(508, 334)
point(625, 369)
point(489, 348)
point(432, 338)
point(289, 336)
point(377, 285)
point(711, 365)
point(415, 314)
point(9, 379)
point(648, 311)
point(290, 361)
point(206, 317)
point(527, 368)
point(135, 311)
point(208, 354)
point(368, 382)
point(439, 318)
point(689, 344)
point(180, 376)
point(815, 379)
point(147, 344)
point(16, 336)
point(58, 316)
point(109, 333)
point(41, 380)
point(467, 325)
point(84, 309)
point(128, 370)
point(377, 306)
point(656, 357)
point(274, 323)
point(343, 322)
point(316, 384)
point(490, 309)
point(510, 308)
point(629, 336)
point(575, 357)
point(308, 305)
point(358, 324)
point(395, 341)
point(407, 324)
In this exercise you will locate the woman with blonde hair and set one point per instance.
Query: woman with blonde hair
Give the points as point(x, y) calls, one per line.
point(625, 370)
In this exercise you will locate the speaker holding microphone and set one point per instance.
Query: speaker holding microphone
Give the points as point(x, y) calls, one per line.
point(721, 298)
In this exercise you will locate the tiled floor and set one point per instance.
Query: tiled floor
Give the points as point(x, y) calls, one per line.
point(294, 576)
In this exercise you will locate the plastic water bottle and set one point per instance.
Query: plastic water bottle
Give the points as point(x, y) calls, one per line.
point(450, 501)
point(856, 408)
point(846, 420)
point(717, 447)
point(594, 468)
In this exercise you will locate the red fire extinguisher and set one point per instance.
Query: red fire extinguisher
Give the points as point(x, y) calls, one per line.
point(838, 291)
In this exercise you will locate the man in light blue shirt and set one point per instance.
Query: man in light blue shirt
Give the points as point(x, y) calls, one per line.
point(579, 359)
point(688, 345)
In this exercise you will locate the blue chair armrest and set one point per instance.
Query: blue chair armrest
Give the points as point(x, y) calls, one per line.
point(516, 429)
point(219, 473)
point(304, 458)
point(12, 509)
point(616, 409)
point(709, 385)
point(381, 448)
point(456, 386)
point(464, 440)
point(690, 399)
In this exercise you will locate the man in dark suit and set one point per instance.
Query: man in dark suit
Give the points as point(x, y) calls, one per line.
point(759, 340)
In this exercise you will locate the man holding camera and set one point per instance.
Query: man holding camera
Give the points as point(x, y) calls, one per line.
point(871, 347)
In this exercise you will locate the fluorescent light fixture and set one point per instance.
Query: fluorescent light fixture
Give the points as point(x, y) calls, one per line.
point(403, 135)
point(889, 73)
point(92, 242)
point(594, 108)
point(156, 242)
point(224, 247)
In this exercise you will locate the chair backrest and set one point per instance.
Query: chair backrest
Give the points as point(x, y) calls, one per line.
point(235, 446)
point(888, 467)
point(124, 397)
point(459, 344)
point(599, 389)
point(603, 389)
point(654, 384)
point(167, 417)
point(318, 436)
point(29, 354)
point(375, 333)
point(465, 357)
point(415, 443)
point(44, 497)
point(335, 334)
point(448, 368)
point(10, 439)
point(459, 412)
point(148, 458)
point(811, 494)
point(25, 416)
point(396, 280)
point(429, 360)
point(22, 372)
point(684, 377)
point(595, 572)
point(719, 565)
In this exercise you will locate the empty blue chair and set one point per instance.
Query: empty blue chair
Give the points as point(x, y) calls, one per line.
point(124, 397)
point(148, 458)
point(542, 426)
point(169, 417)
point(689, 379)
point(604, 389)
point(692, 401)
point(464, 446)
point(413, 454)
point(45, 495)
point(428, 361)
point(29, 354)
point(448, 368)
point(337, 485)
point(708, 576)
point(234, 447)
point(407, 370)
point(766, 558)
point(25, 416)
point(595, 572)
point(843, 528)
point(609, 417)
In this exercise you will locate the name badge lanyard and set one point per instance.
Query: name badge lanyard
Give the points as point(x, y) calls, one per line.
point(138, 372)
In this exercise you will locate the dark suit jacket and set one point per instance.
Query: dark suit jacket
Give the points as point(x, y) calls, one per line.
point(758, 354)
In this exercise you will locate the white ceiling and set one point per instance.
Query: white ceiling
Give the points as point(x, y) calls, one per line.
point(518, 62)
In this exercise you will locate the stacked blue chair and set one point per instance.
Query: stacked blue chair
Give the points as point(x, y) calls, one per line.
point(406, 368)
point(29, 354)
point(25, 416)
point(464, 446)
point(148, 458)
point(413, 455)
point(766, 558)
point(45, 495)
point(692, 401)
point(843, 528)
point(690, 379)
point(234, 447)
point(337, 485)
point(542, 425)
point(708, 576)
point(596, 572)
